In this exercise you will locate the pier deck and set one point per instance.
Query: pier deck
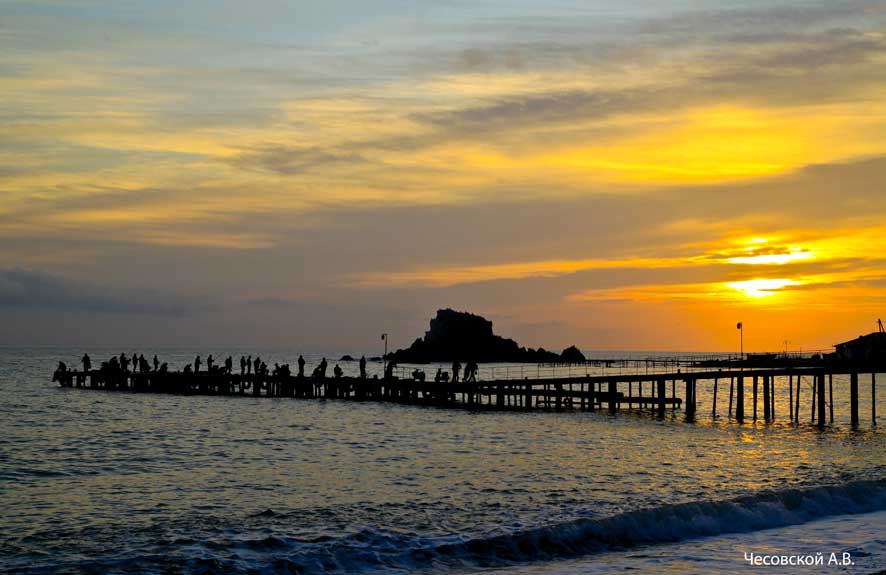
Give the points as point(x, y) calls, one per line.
point(656, 392)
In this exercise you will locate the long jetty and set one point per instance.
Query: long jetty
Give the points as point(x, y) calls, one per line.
point(653, 392)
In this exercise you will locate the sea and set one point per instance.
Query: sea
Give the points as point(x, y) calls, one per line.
point(110, 482)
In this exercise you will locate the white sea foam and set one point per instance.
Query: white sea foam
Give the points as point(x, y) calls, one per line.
point(674, 523)
point(861, 536)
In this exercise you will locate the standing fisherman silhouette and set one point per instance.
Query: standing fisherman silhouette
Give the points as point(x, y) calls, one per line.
point(124, 362)
point(363, 367)
point(256, 364)
point(229, 365)
point(242, 365)
point(249, 365)
point(87, 363)
point(156, 363)
point(197, 363)
point(471, 371)
point(209, 362)
point(301, 366)
point(135, 365)
point(456, 367)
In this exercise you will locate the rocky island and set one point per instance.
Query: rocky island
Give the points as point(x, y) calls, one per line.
point(464, 336)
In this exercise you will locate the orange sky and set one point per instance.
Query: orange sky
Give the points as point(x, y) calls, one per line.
point(619, 177)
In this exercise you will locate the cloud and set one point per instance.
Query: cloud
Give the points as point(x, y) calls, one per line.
point(290, 160)
point(763, 73)
point(27, 289)
point(502, 155)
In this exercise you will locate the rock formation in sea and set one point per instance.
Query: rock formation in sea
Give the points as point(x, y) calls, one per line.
point(465, 337)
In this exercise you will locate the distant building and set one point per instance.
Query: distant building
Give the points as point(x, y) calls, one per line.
point(869, 348)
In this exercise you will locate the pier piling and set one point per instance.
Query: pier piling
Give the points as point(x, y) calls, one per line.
point(690, 407)
point(766, 404)
point(831, 396)
point(853, 399)
point(731, 386)
point(755, 397)
point(814, 394)
point(797, 402)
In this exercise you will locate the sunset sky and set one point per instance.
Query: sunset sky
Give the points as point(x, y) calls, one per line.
point(618, 175)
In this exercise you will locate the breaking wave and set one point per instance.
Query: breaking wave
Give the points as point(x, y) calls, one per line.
point(372, 550)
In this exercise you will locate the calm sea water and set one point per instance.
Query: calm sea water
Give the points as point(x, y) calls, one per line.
point(108, 482)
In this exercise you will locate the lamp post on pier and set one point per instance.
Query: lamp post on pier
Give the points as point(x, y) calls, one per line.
point(740, 327)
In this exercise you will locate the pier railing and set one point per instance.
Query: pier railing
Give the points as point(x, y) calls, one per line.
point(621, 365)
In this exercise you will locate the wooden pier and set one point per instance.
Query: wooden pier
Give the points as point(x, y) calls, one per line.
point(653, 392)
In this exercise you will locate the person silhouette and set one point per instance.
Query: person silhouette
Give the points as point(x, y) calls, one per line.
point(322, 368)
point(337, 372)
point(197, 363)
point(363, 367)
point(256, 364)
point(87, 363)
point(456, 367)
point(156, 363)
point(229, 365)
point(124, 362)
point(471, 371)
point(209, 362)
point(249, 365)
point(242, 365)
point(301, 366)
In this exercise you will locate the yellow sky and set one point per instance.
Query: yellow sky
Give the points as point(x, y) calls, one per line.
point(732, 169)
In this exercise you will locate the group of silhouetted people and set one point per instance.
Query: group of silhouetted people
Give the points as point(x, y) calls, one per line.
point(138, 364)
point(121, 364)
point(470, 373)
point(442, 376)
point(227, 368)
